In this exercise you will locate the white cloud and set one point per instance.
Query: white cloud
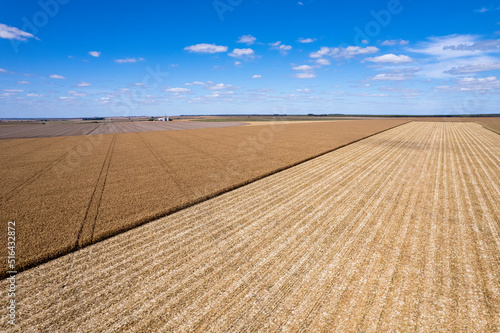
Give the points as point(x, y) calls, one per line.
point(206, 48)
point(485, 84)
point(305, 75)
point(473, 68)
point(306, 40)
point(33, 95)
point(457, 55)
point(7, 32)
point(242, 53)
point(178, 90)
point(482, 10)
point(95, 53)
point(247, 39)
point(128, 60)
point(305, 91)
point(3, 70)
point(76, 94)
point(324, 51)
point(217, 86)
point(323, 62)
point(84, 84)
point(258, 76)
point(13, 90)
point(457, 46)
point(280, 47)
point(390, 58)
point(55, 76)
point(343, 52)
point(195, 83)
point(395, 42)
point(23, 82)
point(390, 77)
point(65, 98)
point(303, 68)
point(237, 63)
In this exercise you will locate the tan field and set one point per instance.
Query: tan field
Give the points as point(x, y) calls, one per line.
point(396, 232)
point(38, 130)
point(68, 192)
point(491, 124)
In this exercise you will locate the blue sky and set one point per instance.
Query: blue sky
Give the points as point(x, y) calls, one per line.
point(69, 58)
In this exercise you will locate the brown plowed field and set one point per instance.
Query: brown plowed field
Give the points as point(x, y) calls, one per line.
point(68, 192)
point(71, 129)
point(397, 232)
point(492, 124)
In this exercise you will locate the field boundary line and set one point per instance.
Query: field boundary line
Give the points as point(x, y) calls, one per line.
point(181, 207)
point(488, 128)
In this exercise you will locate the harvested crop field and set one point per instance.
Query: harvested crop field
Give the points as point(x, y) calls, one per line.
point(397, 232)
point(71, 129)
point(492, 124)
point(68, 192)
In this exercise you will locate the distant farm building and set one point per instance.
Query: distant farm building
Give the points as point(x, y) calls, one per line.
point(164, 119)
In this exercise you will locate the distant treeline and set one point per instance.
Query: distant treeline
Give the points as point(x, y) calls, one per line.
point(94, 118)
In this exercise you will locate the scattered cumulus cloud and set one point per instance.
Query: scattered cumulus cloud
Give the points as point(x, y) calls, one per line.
point(305, 75)
point(393, 42)
point(84, 84)
point(247, 39)
point(33, 95)
point(390, 58)
point(484, 85)
point(206, 48)
point(128, 60)
point(178, 90)
point(280, 47)
point(8, 32)
point(13, 90)
point(195, 83)
point(23, 82)
point(242, 53)
point(76, 94)
point(307, 72)
point(323, 62)
point(303, 68)
point(343, 52)
point(219, 86)
point(257, 76)
point(55, 76)
point(306, 40)
point(95, 54)
point(390, 77)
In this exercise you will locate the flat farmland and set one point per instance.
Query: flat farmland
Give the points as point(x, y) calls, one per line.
point(492, 124)
point(71, 129)
point(68, 192)
point(396, 232)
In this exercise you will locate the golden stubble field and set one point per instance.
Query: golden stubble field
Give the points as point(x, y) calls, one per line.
point(67, 192)
point(397, 232)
